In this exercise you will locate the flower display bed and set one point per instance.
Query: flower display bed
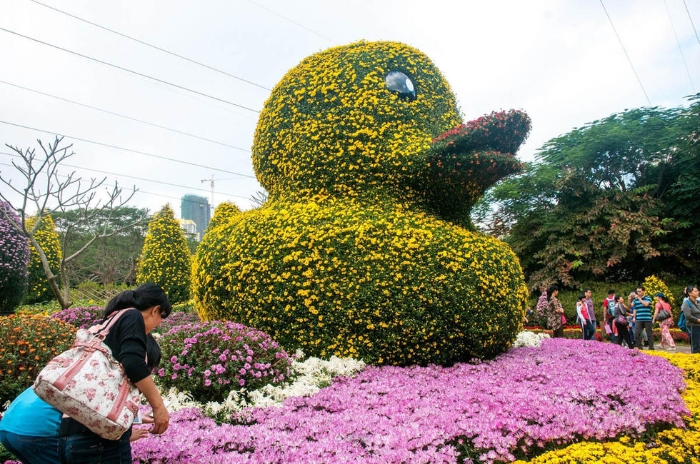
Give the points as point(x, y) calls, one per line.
point(522, 404)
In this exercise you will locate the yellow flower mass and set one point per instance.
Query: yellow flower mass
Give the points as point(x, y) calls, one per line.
point(345, 258)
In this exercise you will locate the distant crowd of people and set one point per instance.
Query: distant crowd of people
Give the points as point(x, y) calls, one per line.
point(628, 320)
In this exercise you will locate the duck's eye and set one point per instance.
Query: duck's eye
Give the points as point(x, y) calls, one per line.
point(401, 84)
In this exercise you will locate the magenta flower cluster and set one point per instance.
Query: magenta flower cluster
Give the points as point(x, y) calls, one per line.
point(515, 406)
point(175, 319)
point(209, 359)
point(82, 318)
point(14, 258)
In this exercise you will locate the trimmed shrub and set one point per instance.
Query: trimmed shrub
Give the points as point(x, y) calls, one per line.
point(165, 259)
point(176, 319)
point(48, 239)
point(80, 318)
point(360, 250)
point(223, 213)
point(209, 359)
point(28, 343)
point(654, 285)
point(14, 258)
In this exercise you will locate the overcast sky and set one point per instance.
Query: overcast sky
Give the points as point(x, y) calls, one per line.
point(560, 61)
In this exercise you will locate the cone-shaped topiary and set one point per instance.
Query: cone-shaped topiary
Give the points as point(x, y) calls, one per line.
point(165, 258)
point(360, 249)
point(223, 213)
point(49, 241)
point(14, 258)
point(654, 285)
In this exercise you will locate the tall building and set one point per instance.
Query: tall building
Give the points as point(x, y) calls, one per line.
point(196, 209)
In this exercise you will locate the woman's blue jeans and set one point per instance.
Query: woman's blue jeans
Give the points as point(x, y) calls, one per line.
point(89, 448)
point(34, 450)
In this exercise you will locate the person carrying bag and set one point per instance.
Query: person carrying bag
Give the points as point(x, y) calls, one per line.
point(129, 316)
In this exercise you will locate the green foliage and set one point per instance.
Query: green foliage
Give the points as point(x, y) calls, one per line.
point(210, 359)
point(596, 205)
point(165, 259)
point(14, 258)
point(28, 343)
point(112, 260)
point(48, 239)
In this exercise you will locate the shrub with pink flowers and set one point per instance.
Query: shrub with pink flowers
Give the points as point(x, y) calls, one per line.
point(209, 359)
point(177, 318)
point(81, 318)
point(519, 405)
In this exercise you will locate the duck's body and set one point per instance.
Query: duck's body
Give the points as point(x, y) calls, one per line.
point(359, 250)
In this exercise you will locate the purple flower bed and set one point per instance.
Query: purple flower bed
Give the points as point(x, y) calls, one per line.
point(513, 406)
point(82, 318)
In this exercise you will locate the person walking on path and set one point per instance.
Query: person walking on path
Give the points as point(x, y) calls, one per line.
point(641, 314)
point(555, 313)
point(691, 311)
point(608, 312)
point(623, 332)
point(663, 303)
point(591, 311)
point(584, 318)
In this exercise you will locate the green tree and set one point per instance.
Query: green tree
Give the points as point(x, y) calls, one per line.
point(47, 237)
point(165, 259)
point(595, 204)
point(113, 259)
point(46, 192)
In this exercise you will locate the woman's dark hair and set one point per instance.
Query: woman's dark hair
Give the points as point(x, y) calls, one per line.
point(662, 297)
point(581, 296)
point(688, 289)
point(550, 290)
point(152, 352)
point(142, 297)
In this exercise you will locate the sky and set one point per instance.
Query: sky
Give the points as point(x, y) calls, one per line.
point(168, 126)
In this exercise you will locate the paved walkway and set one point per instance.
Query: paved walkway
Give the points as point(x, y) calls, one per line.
point(679, 349)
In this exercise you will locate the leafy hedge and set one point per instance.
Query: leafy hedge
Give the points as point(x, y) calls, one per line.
point(354, 254)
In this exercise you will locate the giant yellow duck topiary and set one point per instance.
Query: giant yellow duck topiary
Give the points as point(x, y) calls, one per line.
point(364, 247)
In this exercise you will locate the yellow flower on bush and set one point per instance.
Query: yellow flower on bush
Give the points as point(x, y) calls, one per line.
point(352, 254)
point(165, 258)
point(48, 239)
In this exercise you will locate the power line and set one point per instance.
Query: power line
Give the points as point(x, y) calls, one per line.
point(680, 49)
point(625, 50)
point(124, 116)
point(137, 191)
point(691, 21)
point(151, 46)
point(293, 22)
point(129, 70)
point(127, 149)
point(13, 155)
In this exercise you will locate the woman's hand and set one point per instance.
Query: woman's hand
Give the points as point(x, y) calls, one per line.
point(161, 419)
point(137, 433)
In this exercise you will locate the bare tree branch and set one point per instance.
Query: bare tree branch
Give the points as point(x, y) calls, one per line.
point(48, 192)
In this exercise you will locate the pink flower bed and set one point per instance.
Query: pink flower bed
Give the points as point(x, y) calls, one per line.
point(516, 405)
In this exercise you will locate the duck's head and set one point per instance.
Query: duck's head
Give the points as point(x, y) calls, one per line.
point(355, 118)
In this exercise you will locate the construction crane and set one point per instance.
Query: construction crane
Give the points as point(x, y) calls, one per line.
point(211, 183)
